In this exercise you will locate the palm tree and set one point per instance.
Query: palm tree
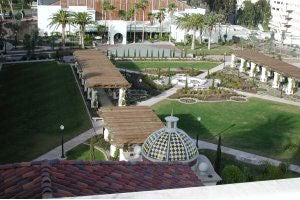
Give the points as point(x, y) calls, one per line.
point(60, 18)
point(189, 22)
point(142, 5)
point(171, 9)
point(130, 16)
point(151, 18)
point(122, 14)
point(105, 7)
point(211, 22)
point(201, 25)
point(82, 19)
point(161, 17)
point(134, 33)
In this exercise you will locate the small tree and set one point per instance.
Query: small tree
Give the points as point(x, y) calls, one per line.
point(217, 165)
point(232, 174)
point(147, 54)
point(158, 72)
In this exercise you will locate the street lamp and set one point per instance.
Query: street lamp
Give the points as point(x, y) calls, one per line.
point(197, 137)
point(62, 141)
point(16, 40)
point(224, 59)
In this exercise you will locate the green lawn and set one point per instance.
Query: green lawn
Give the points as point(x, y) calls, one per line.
point(258, 126)
point(199, 50)
point(35, 99)
point(82, 152)
point(140, 65)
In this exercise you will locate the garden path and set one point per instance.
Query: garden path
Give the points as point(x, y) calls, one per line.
point(56, 152)
point(244, 156)
point(167, 93)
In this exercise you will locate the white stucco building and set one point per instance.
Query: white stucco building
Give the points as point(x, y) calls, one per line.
point(286, 18)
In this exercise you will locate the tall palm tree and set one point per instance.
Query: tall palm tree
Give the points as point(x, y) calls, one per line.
point(171, 9)
point(211, 22)
point(105, 7)
point(151, 18)
point(200, 25)
point(82, 19)
point(189, 22)
point(111, 9)
point(161, 17)
point(134, 33)
point(130, 16)
point(142, 5)
point(61, 18)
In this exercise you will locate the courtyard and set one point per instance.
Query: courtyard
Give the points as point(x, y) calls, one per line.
point(36, 98)
point(257, 126)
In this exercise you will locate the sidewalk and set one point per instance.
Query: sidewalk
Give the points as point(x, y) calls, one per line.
point(244, 156)
point(56, 152)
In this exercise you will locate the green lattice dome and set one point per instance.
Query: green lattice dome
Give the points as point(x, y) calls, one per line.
point(170, 144)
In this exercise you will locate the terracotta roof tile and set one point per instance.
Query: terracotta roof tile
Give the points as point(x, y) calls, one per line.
point(50, 179)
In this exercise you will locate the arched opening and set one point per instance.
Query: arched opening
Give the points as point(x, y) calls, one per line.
point(118, 38)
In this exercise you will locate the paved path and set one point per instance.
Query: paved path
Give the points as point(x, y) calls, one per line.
point(56, 152)
point(268, 97)
point(173, 90)
point(244, 156)
point(104, 99)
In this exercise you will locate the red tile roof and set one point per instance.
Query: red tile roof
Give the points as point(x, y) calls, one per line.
point(55, 178)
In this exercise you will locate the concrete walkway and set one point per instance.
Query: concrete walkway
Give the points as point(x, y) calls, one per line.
point(268, 97)
point(244, 156)
point(56, 152)
point(173, 90)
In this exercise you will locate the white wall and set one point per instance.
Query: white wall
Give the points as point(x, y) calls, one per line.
point(46, 12)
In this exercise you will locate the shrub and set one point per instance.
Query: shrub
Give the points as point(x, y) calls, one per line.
point(101, 142)
point(232, 174)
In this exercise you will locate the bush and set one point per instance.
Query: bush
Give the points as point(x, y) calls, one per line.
point(232, 174)
point(102, 143)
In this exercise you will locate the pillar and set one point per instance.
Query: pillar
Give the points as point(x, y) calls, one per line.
point(94, 99)
point(289, 89)
point(122, 100)
point(276, 80)
point(82, 81)
point(241, 69)
point(232, 60)
point(263, 77)
point(89, 96)
point(122, 156)
point(252, 69)
point(106, 134)
point(113, 149)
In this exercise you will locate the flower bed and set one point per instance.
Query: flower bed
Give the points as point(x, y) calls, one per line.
point(238, 98)
point(188, 100)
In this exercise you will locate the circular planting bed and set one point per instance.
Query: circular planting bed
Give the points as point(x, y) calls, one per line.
point(188, 100)
point(238, 98)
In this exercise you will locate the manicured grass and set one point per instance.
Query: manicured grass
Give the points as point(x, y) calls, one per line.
point(140, 65)
point(199, 50)
point(36, 98)
point(258, 126)
point(82, 152)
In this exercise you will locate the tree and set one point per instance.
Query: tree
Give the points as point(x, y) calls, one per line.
point(232, 174)
point(134, 33)
point(122, 14)
point(82, 19)
point(142, 5)
point(10, 3)
point(229, 8)
point(61, 18)
point(211, 22)
point(101, 30)
point(171, 9)
point(105, 7)
point(217, 164)
point(30, 41)
point(130, 16)
point(160, 16)
point(111, 9)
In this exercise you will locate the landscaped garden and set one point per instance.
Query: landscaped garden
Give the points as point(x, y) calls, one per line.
point(36, 98)
point(82, 152)
point(142, 65)
point(262, 127)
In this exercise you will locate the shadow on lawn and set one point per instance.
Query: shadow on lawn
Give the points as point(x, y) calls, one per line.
point(130, 65)
point(267, 138)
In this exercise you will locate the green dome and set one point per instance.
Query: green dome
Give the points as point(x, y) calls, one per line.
point(169, 144)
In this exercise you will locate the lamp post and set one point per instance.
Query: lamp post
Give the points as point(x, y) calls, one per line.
point(197, 137)
point(16, 40)
point(224, 59)
point(62, 141)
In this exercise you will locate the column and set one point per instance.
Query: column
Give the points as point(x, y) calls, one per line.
point(263, 77)
point(85, 88)
point(252, 69)
point(82, 81)
point(89, 95)
point(106, 134)
point(113, 149)
point(232, 60)
point(289, 88)
point(241, 69)
point(276, 80)
point(122, 100)
point(94, 100)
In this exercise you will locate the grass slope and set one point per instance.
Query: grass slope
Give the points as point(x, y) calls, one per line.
point(35, 99)
point(259, 126)
point(82, 152)
point(140, 65)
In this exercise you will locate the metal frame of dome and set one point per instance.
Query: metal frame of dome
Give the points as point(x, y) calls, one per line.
point(170, 144)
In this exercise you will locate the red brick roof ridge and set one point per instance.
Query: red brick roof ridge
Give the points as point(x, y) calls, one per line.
point(46, 185)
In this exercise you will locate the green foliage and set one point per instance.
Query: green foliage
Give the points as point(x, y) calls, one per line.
point(232, 174)
point(92, 148)
point(116, 154)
